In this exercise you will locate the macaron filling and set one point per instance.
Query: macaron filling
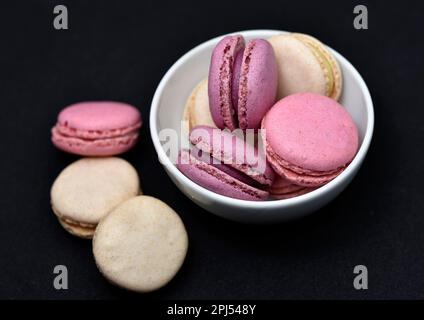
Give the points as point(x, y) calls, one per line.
point(81, 229)
point(326, 65)
point(78, 140)
point(327, 62)
point(236, 79)
point(300, 176)
point(242, 89)
point(230, 149)
point(207, 158)
point(210, 173)
point(227, 110)
point(65, 130)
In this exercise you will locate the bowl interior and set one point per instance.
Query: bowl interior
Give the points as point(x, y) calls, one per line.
point(194, 66)
point(171, 95)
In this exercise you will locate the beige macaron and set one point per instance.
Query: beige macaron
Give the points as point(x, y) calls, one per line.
point(305, 65)
point(196, 111)
point(140, 245)
point(88, 189)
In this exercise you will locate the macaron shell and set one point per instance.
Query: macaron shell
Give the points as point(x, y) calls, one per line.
point(99, 116)
point(298, 68)
point(220, 81)
point(140, 245)
point(88, 189)
point(216, 180)
point(312, 132)
point(257, 84)
point(322, 51)
point(233, 151)
point(197, 111)
point(94, 147)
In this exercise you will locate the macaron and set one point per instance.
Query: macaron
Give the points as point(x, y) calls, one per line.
point(310, 138)
point(305, 65)
point(242, 82)
point(140, 245)
point(284, 189)
point(226, 164)
point(88, 189)
point(99, 128)
point(196, 111)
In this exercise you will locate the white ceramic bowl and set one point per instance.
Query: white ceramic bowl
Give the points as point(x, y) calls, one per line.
point(166, 112)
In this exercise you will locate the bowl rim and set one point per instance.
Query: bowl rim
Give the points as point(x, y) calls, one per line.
point(308, 197)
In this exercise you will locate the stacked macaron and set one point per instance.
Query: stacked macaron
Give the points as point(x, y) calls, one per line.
point(309, 137)
point(139, 243)
point(242, 82)
point(226, 164)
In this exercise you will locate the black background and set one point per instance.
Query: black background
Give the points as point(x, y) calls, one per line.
point(119, 50)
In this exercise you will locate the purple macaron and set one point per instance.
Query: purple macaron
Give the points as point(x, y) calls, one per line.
point(242, 83)
point(226, 164)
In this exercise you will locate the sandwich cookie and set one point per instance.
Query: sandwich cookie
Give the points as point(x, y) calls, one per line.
point(305, 65)
point(309, 138)
point(101, 128)
point(140, 245)
point(88, 189)
point(242, 82)
point(224, 163)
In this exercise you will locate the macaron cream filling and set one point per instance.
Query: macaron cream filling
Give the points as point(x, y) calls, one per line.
point(226, 80)
point(300, 176)
point(326, 66)
point(254, 164)
point(236, 79)
point(126, 139)
point(297, 169)
point(214, 173)
point(243, 88)
point(327, 62)
point(206, 157)
point(65, 130)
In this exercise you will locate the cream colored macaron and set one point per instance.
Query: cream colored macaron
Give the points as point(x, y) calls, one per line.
point(88, 189)
point(140, 245)
point(196, 111)
point(305, 65)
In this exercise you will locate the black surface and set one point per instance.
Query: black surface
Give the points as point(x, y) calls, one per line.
point(119, 50)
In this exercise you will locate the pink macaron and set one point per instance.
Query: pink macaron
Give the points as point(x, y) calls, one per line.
point(242, 83)
point(285, 189)
point(310, 138)
point(224, 163)
point(98, 128)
